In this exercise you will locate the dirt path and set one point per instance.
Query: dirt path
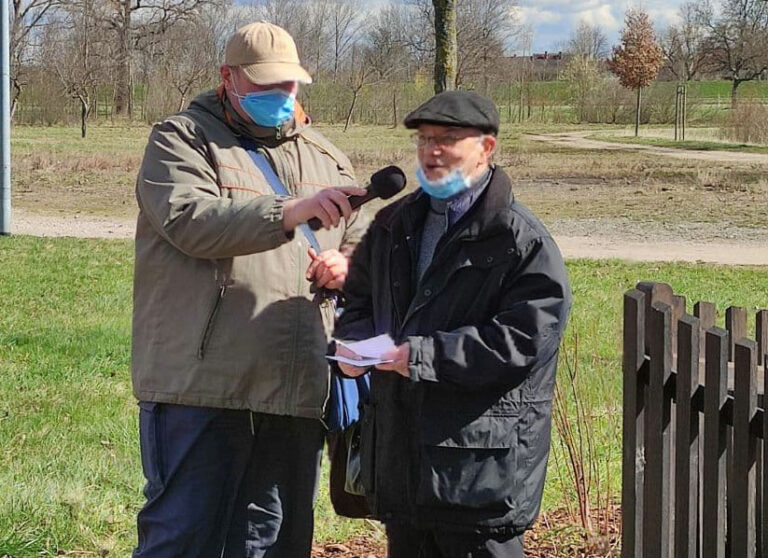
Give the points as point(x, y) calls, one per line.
point(80, 226)
point(579, 140)
point(727, 253)
point(594, 245)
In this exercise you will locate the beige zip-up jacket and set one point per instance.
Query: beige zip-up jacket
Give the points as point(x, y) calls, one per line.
point(223, 315)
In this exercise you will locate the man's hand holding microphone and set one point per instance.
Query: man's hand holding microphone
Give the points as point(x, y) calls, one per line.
point(325, 209)
point(329, 205)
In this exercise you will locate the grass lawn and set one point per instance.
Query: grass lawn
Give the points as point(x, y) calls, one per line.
point(70, 474)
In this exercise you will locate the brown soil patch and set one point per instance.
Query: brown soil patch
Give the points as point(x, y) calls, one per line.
point(554, 536)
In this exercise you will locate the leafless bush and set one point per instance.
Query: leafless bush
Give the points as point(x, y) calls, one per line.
point(576, 423)
point(748, 123)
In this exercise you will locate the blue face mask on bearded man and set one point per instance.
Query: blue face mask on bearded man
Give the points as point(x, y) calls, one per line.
point(269, 108)
point(453, 183)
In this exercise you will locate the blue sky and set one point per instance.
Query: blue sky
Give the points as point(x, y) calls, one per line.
point(553, 21)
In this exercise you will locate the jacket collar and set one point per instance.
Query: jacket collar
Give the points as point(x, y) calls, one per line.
point(217, 103)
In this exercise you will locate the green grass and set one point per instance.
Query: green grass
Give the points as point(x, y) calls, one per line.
point(697, 145)
point(70, 474)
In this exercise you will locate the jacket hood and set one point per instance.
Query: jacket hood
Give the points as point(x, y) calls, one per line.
point(217, 103)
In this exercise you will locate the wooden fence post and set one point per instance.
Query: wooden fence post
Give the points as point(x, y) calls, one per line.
point(657, 437)
point(687, 440)
point(707, 315)
point(634, 365)
point(714, 473)
point(656, 292)
point(742, 493)
point(764, 503)
point(761, 331)
point(736, 324)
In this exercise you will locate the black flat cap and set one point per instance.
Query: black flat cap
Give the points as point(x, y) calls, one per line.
point(463, 109)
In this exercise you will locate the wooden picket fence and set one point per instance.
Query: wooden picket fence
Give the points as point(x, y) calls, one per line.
point(695, 464)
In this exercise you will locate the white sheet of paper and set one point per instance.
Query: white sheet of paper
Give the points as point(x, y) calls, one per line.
point(370, 348)
point(364, 363)
point(370, 351)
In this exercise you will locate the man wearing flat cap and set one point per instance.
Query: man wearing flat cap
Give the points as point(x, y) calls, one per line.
point(474, 292)
point(229, 333)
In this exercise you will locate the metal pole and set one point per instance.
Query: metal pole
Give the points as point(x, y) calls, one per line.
point(5, 118)
point(685, 108)
point(677, 111)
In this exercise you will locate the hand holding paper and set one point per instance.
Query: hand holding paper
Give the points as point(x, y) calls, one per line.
point(381, 352)
point(364, 353)
point(396, 360)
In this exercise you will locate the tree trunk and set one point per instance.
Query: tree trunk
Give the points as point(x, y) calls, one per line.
point(445, 45)
point(355, 93)
point(84, 106)
point(735, 92)
point(637, 111)
point(182, 100)
point(123, 80)
point(394, 107)
point(15, 97)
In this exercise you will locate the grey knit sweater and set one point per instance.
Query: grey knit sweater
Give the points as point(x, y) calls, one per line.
point(442, 215)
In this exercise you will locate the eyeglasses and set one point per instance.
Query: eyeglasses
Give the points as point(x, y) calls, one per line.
point(443, 140)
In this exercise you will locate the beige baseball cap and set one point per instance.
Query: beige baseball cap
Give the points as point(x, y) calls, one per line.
point(266, 53)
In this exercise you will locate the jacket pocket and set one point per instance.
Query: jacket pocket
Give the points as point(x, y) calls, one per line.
point(368, 449)
point(210, 322)
point(475, 466)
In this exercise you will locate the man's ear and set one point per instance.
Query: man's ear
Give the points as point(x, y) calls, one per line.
point(489, 145)
point(226, 74)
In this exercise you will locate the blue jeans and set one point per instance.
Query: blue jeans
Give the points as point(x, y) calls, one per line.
point(226, 483)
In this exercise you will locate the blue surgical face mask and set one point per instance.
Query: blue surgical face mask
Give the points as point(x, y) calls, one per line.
point(446, 187)
point(268, 108)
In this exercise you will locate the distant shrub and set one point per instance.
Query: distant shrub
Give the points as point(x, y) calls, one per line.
point(748, 123)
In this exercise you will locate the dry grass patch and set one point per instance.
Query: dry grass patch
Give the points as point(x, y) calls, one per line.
point(56, 172)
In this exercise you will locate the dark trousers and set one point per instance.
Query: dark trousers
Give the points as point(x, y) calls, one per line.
point(406, 541)
point(226, 483)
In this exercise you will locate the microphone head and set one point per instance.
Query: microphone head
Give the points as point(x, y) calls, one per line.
point(387, 182)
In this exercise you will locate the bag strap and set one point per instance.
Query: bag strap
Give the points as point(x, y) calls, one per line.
point(261, 162)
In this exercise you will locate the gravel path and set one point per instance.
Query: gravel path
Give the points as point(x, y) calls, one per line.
point(579, 140)
point(81, 226)
point(594, 239)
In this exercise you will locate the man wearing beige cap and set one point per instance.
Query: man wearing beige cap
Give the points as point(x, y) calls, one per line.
point(229, 323)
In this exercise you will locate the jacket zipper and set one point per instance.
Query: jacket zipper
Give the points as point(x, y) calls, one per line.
point(210, 323)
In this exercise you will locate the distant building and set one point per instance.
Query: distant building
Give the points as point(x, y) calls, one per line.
point(546, 66)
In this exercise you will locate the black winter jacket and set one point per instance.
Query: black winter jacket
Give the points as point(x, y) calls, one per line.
point(463, 444)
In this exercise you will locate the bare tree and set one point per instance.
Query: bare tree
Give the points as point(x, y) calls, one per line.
point(135, 24)
point(637, 60)
point(419, 31)
point(446, 45)
point(389, 55)
point(582, 75)
point(27, 18)
point(188, 55)
point(359, 74)
point(683, 44)
point(344, 28)
point(737, 39)
point(73, 51)
point(588, 41)
point(485, 29)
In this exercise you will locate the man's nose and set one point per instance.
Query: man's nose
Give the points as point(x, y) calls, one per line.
point(434, 147)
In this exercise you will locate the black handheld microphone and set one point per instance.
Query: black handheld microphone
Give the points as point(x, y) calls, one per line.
point(385, 183)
